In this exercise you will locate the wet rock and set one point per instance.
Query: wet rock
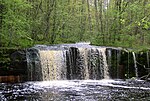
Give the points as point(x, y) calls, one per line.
point(12, 62)
point(18, 56)
point(18, 62)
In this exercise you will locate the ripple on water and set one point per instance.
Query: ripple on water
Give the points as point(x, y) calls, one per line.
point(83, 90)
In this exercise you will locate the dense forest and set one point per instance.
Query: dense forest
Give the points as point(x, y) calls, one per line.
point(24, 23)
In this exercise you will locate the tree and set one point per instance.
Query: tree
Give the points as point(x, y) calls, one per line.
point(1, 20)
point(103, 22)
point(14, 24)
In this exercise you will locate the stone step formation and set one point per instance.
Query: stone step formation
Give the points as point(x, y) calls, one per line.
point(81, 61)
point(72, 61)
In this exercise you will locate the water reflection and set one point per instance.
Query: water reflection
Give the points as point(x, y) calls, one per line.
point(79, 90)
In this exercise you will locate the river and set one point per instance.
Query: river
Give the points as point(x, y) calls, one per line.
point(76, 90)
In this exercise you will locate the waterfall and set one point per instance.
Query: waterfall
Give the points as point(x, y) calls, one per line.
point(52, 64)
point(106, 73)
point(84, 55)
point(147, 56)
point(128, 59)
point(81, 61)
point(33, 61)
point(118, 52)
point(46, 64)
point(68, 61)
point(109, 56)
point(135, 65)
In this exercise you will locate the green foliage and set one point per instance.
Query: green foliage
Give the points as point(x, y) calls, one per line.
point(120, 23)
point(15, 24)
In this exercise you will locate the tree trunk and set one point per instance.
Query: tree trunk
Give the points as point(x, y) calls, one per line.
point(89, 17)
point(1, 22)
point(53, 34)
point(101, 20)
point(96, 16)
point(82, 22)
point(48, 14)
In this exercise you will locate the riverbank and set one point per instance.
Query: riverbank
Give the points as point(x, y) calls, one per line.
point(13, 64)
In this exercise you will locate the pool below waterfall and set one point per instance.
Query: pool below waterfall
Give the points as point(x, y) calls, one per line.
point(77, 90)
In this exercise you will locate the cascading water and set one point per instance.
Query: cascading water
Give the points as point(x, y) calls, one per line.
point(84, 59)
point(46, 63)
point(105, 66)
point(118, 53)
point(52, 63)
point(76, 70)
point(33, 62)
point(147, 57)
point(148, 64)
point(109, 56)
point(135, 65)
point(68, 61)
